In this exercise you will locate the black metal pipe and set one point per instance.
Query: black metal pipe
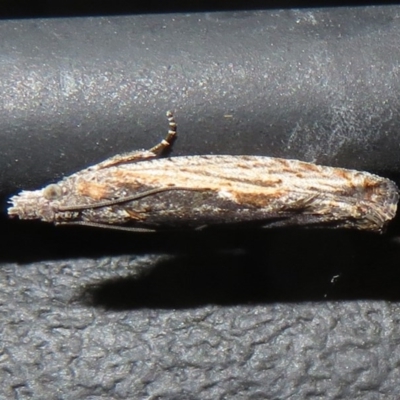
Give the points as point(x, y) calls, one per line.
point(319, 85)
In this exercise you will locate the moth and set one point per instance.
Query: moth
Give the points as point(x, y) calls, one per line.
point(140, 192)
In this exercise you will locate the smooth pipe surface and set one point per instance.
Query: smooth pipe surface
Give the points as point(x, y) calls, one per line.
point(318, 85)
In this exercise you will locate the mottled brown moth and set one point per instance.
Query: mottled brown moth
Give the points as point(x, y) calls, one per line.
point(139, 192)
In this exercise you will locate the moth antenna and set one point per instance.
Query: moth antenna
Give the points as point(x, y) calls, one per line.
point(107, 226)
point(126, 199)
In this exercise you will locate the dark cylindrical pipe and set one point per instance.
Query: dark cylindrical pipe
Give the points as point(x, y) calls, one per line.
point(319, 85)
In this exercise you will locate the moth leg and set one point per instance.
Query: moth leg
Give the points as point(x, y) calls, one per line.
point(301, 204)
point(141, 155)
point(169, 139)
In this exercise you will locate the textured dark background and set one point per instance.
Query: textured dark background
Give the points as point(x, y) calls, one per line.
point(216, 315)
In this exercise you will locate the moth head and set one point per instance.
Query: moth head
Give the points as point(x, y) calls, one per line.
point(52, 192)
point(37, 204)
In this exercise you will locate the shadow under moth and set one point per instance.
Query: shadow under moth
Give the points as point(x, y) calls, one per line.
point(142, 193)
